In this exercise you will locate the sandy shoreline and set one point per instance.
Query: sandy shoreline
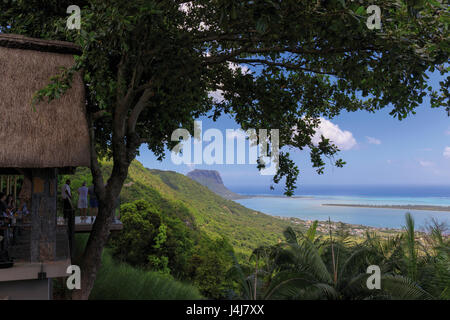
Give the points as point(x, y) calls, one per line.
point(381, 206)
point(399, 207)
point(250, 196)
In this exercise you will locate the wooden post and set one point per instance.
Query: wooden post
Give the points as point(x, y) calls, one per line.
point(15, 190)
point(43, 215)
point(71, 225)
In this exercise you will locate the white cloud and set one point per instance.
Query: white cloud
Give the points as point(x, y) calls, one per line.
point(217, 96)
point(342, 138)
point(426, 164)
point(373, 140)
point(447, 152)
point(389, 161)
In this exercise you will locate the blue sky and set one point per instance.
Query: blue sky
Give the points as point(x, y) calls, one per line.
point(378, 149)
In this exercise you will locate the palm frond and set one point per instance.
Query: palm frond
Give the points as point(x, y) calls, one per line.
point(411, 248)
point(402, 288)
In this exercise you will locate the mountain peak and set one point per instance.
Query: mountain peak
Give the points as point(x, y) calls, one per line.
point(212, 180)
point(211, 174)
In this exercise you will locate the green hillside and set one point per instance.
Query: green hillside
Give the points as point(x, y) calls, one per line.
point(245, 229)
point(197, 206)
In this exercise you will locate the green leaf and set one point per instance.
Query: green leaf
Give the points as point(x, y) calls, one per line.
point(361, 11)
point(342, 2)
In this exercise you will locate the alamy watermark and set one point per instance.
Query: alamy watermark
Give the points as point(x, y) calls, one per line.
point(74, 280)
point(374, 20)
point(374, 280)
point(262, 148)
point(74, 20)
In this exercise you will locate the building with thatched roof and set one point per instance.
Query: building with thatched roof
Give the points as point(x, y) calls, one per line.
point(40, 142)
point(53, 135)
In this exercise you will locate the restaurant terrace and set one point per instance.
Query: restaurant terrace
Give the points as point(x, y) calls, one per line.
point(38, 145)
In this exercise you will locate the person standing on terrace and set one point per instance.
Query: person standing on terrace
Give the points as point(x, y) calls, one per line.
point(93, 202)
point(83, 200)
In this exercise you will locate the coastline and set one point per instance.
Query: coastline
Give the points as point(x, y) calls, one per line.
point(351, 205)
point(385, 206)
point(356, 230)
point(250, 196)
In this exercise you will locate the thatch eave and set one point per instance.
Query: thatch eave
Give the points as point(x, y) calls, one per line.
point(19, 171)
point(26, 43)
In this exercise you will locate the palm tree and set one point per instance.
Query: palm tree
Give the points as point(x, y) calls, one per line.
point(435, 273)
point(306, 266)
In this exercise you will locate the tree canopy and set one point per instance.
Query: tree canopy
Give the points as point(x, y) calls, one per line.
point(150, 66)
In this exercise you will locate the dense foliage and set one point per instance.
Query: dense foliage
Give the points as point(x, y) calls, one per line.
point(307, 266)
point(163, 243)
point(121, 281)
point(175, 226)
point(162, 235)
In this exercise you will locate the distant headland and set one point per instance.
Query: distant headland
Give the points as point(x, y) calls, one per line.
point(212, 180)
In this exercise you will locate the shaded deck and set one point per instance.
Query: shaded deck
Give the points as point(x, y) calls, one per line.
point(20, 249)
point(20, 252)
point(30, 271)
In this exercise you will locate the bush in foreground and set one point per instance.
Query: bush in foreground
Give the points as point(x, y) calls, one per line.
point(120, 281)
point(123, 282)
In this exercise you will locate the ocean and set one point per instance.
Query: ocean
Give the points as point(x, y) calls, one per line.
point(309, 200)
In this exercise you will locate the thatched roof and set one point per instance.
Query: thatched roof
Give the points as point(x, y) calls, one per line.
point(21, 42)
point(54, 135)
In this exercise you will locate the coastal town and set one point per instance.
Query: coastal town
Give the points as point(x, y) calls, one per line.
point(324, 227)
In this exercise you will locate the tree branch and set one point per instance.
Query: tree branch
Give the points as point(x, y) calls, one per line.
point(95, 166)
point(137, 110)
point(289, 66)
point(279, 49)
point(99, 115)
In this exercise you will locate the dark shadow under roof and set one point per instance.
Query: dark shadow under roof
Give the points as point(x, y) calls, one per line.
point(26, 43)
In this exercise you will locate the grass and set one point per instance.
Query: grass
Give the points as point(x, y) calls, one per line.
point(119, 281)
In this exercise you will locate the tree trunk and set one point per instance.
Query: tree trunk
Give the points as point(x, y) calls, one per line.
point(91, 259)
point(107, 196)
